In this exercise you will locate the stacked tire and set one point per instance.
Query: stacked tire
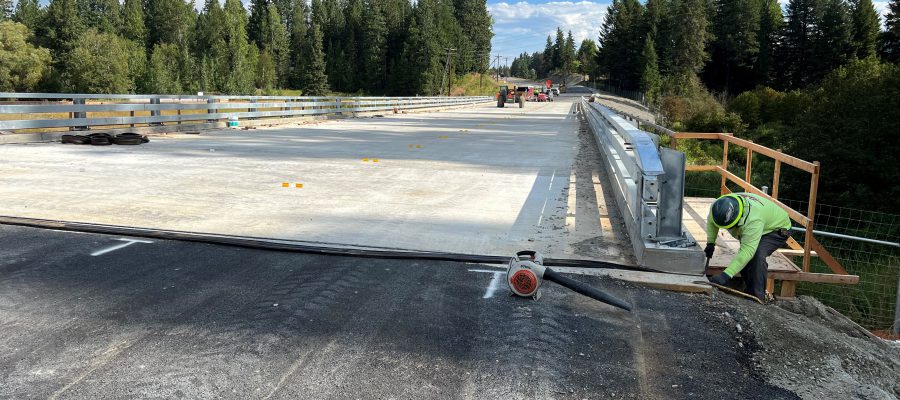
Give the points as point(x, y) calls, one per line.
point(105, 139)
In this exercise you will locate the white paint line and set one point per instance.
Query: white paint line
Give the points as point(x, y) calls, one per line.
point(495, 281)
point(128, 242)
point(541, 217)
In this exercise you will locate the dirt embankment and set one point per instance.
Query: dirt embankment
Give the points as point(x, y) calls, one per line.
point(814, 351)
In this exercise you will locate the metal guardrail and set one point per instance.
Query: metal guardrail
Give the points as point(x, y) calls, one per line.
point(40, 107)
point(649, 187)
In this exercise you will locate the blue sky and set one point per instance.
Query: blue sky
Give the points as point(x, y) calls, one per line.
point(524, 25)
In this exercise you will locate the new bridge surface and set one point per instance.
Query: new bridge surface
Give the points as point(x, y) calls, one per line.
point(475, 180)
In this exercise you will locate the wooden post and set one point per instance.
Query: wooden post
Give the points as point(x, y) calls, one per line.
point(788, 288)
point(749, 166)
point(776, 178)
point(811, 211)
point(724, 166)
point(674, 142)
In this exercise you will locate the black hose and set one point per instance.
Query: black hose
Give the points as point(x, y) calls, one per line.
point(584, 289)
point(287, 245)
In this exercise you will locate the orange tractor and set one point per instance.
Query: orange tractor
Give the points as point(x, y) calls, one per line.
point(518, 94)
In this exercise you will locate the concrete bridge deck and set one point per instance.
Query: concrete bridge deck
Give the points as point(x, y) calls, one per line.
point(477, 180)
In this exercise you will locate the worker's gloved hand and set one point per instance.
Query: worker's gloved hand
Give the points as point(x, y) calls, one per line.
point(710, 249)
point(720, 279)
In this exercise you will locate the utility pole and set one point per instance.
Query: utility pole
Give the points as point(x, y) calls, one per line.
point(447, 70)
point(497, 70)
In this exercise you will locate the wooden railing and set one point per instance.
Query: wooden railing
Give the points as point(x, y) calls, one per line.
point(810, 246)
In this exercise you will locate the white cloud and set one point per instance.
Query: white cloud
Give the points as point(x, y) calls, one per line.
point(524, 26)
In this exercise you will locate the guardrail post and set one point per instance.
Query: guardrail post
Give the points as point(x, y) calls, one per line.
point(79, 115)
point(252, 109)
point(211, 110)
point(776, 178)
point(155, 113)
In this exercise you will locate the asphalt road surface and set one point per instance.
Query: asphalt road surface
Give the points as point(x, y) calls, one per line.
point(94, 316)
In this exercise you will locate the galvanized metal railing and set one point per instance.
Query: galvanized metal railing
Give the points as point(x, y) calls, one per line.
point(649, 185)
point(42, 110)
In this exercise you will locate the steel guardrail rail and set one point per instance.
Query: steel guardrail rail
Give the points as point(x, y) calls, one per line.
point(211, 108)
point(649, 188)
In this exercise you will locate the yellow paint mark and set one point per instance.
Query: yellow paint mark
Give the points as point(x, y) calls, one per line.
point(298, 185)
point(375, 160)
point(365, 160)
point(418, 146)
point(285, 184)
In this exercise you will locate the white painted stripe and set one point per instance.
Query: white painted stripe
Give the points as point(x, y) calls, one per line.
point(495, 281)
point(128, 242)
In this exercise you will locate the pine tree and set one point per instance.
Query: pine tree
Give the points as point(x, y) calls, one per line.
point(798, 50)
point(103, 15)
point(833, 45)
point(275, 42)
point(133, 26)
point(314, 82)
point(621, 41)
point(889, 42)
point(300, 20)
point(558, 48)
point(169, 21)
point(29, 13)
point(266, 74)
point(256, 23)
point(241, 54)
point(475, 22)
point(658, 19)
point(689, 37)
point(735, 25)
point(650, 78)
point(163, 76)
point(771, 24)
point(866, 27)
point(211, 47)
point(374, 49)
point(62, 28)
point(567, 57)
point(587, 57)
point(549, 56)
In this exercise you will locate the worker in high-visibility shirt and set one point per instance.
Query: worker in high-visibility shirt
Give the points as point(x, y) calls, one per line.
point(760, 225)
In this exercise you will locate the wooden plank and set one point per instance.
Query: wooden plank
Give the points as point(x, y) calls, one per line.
point(777, 155)
point(795, 253)
point(826, 257)
point(815, 277)
point(794, 214)
point(673, 282)
point(811, 214)
point(776, 178)
point(788, 289)
point(701, 167)
point(696, 135)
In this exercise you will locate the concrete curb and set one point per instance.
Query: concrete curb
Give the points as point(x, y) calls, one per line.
point(46, 137)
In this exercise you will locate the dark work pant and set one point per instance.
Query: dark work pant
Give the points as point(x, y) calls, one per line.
point(756, 270)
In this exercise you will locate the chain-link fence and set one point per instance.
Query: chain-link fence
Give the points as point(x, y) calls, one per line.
point(873, 301)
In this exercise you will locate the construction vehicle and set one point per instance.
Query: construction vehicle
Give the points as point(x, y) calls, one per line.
point(502, 96)
point(518, 94)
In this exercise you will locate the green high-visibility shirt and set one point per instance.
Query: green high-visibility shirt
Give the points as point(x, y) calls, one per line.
point(761, 216)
